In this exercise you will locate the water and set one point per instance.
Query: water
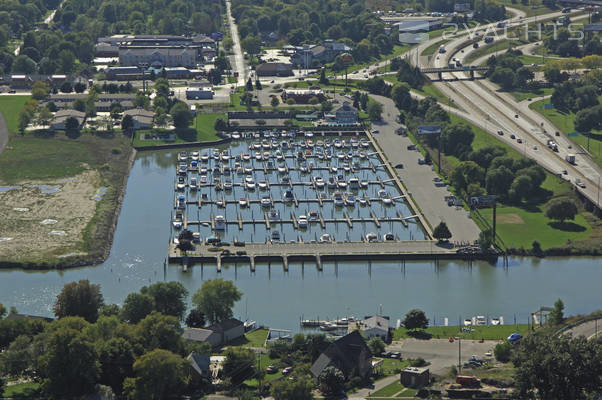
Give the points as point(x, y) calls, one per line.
point(279, 299)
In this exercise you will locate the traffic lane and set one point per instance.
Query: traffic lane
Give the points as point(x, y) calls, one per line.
point(440, 353)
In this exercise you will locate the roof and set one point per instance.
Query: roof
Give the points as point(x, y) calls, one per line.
point(200, 362)
point(139, 112)
point(415, 370)
point(346, 107)
point(428, 129)
point(196, 334)
point(276, 66)
point(69, 113)
point(346, 353)
point(225, 325)
point(376, 321)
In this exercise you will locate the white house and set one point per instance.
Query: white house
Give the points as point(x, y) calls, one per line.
point(375, 326)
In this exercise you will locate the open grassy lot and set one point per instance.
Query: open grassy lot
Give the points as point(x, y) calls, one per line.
point(202, 130)
point(429, 51)
point(10, 107)
point(397, 50)
point(21, 390)
point(252, 339)
point(520, 96)
point(203, 124)
point(489, 332)
point(565, 121)
point(394, 390)
point(535, 7)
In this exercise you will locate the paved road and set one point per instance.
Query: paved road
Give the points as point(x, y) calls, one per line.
point(587, 329)
point(440, 352)
point(238, 60)
point(418, 179)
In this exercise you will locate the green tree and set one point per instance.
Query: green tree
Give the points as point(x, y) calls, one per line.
point(298, 389)
point(216, 298)
point(375, 110)
point(116, 357)
point(79, 105)
point(220, 125)
point(249, 86)
point(136, 307)
point(561, 210)
point(2, 311)
point(323, 79)
point(159, 331)
point(169, 297)
point(39, 90)
point(182, 117)
point(550, 366)
point(415, 319)
point(44, 117)
point(127, 123)
point(376, 346)
point(69, 365)
point(159, 374)
point(503, 351)
point(486, 240)
point(442, 232)
point(79, 299)
point(274, 102)
point(557, 314)
point(239, 364)
point(195, 319)
point(331, 380)
point(71, 125)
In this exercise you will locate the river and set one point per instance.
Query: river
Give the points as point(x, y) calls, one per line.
point(276, 298)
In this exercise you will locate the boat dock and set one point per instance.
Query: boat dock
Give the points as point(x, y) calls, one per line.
point(318, 253)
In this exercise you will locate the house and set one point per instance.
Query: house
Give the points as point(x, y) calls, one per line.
point(274, 69)
point(415, 377)
point(349, 354)
point(61, 117)
point(143, 119)
point(218, 334)
point(346, 114)
point(302, 96)
point(200, 363)
point(20, 81)
point(375, 326)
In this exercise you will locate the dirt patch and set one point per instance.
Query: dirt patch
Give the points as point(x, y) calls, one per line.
point(38, 223)
point(510, 219)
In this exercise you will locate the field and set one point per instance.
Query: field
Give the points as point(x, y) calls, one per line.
point(394, 390)
point(202, 130)
point(252, 339)
point(429, 51)
point(489, 332)
point(565, 121)
point(42, 230)
point(21, 390)
point(10, 107)
point(520, 96)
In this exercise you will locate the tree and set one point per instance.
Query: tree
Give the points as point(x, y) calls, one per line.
point(127, 123)
point(561, 210)
point(79, 87)
point(136, 307)
point(239, 364)
point(39, 90)
point(169, 297)
point(376, 346)
point(66, 87)
point(323, 79)
point(116, 357)
point(274, 102)
point(331, 380)
point(215, 299)
point(2, 311)
point(375, 110)
point(71, 125)
point(159, 374)
point(557, 367)
point(249, 86)
point(415, 319)
point(159, 331)
point(257, 84)
point(44, 117)
point(298, 389)
point(486, 240)
point(69, 365)
point(502, 351)
point(79, 105)
point(182, 117)
point(557, 314)
point(195, 319)
point(79, 299)
point(456, 139)
point(220, 125)
point(442, 232)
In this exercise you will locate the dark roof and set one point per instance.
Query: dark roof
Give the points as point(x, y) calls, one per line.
point(348, 353)
point(225, 325)
point(26, 316)
point(196, 334)
point(273, 67)
point(200, 362)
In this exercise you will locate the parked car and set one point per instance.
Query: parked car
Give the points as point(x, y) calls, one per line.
point(287, 370)
point(515, 337)
point(512, 136)
point(400, 166)
point(271, 369)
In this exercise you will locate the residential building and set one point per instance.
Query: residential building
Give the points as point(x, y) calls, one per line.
point(61, 117)
point(20, 81)
point(155, 56)
point(302, 96)
point(346, 114)
point(274, 69)
point(202, 335)
point(143, 119)
point(349, 354)
point(415, 377)
point(218, 334)
point(200, 363)
point(375, 326)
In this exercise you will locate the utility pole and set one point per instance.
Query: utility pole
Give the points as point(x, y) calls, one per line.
point(459, 354)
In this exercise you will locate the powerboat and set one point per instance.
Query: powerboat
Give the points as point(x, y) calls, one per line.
point(220, 223)
point(266, 201)
point(319, 182)
point(203, 179)
point(371, 237)
point(181, 185)
point(177, 222)
point(389, 237)
point(363, 184)
point(228, 184)
point(354, 184)
point(194, 184)
point(331, 183)
point(288, 195)
point(242, 202)
point(363, 202)
point(350, 200)
point(194, 156)
point(250, 183)
point(314, 216)
point(182, 156)
point(181, 202)
point(274, 215)
point(338, 199)
point(302, 221)
point(325, 238)
point(263, 185)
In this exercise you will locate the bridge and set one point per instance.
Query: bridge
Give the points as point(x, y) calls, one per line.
point(440, 71)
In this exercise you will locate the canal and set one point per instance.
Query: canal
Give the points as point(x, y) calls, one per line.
point(273, 297)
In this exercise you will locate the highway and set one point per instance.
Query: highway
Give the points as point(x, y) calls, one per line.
point(494, 111)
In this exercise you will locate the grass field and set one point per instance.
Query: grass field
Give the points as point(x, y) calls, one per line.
point(21, 390)
point(10, 107)
point(565, 121)
point(498, 45)
point(202, 124)
point(252, 339)
point(394, 390)
point(429, 51)
point(520, 96)
point(489, 332)
point(397, 50)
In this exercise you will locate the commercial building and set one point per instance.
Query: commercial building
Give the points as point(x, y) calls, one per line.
point(302, 96)
point(143, 119)
point(309, 56)
point(415, 377)
point(164, 56)
point(346, 114)
point(194, 93)
point(274, 69)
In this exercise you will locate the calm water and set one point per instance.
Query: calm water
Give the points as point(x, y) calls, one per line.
point(279, 299)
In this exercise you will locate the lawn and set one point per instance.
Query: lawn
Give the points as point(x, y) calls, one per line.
point(565, 121)
point(252, 339)
point(535, 7)
point(520, 96)
point(264, 362)
point(10, 107)
point(431, 90)
point(204, 126)
point(390, 365)
point(397, 51)
point(21, 390)
point(389, 390)
point(498, 45)
point(429, 51)
point(489, 332)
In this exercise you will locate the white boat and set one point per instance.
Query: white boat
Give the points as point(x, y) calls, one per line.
point(364, 143)
point(228, 184)
point(250, 183)
point(262, 185)
point(302, 221)
point(333, 169)
point(281, 169)
point(242, 202)
point(220, 223)
point(389, 237)
point(325, 238)
point(363, 184)
point(265, 201)
point(319, 182)
point(246, 156)
point(203, 179)
point(350, 200)
point(481, 320)
point(182, 156)
point(194, 184)
point(371, 237)
point(194, 156)
point(235, 135)
point(181, 202)
point(248, 170)
point(205, 157)
point(181, 184)
point(177, 222)
point(467, 322)
point(363, 202)
point(342, 184)
point(495, 321)
point(288, 195)
point(329, 327)
point(338, 199)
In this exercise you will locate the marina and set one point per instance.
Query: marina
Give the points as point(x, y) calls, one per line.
point(281, 187)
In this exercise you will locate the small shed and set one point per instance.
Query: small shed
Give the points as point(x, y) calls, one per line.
point(415, 377)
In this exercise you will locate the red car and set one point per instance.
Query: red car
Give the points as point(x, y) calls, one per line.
point(287, 370)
